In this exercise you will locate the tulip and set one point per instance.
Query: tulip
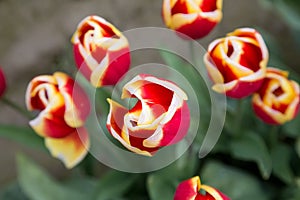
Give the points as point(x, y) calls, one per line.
point(101, 51)
point(159, 118)
point(2, 82)
point(192, 18)
point(192, 189)
point(64, 108)
point(278, 100)
point(237, 63)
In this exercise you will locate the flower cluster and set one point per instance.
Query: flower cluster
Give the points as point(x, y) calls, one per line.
point(238, 66)
point(101, 52)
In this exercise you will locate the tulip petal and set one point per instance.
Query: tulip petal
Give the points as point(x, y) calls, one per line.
point(188, 189)
point(71, 149)
point(77, 106)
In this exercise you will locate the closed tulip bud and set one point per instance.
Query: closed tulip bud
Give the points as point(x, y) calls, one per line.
point(62, 115)
point(190, 190)
point(101, 51)
point(160, 117)
point(277, 101)
point(237, 63)
point(193, 18)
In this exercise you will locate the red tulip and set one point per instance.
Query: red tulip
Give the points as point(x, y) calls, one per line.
point(193, 18)
point(278, 100)
point(237, 63)
point(192, 189)
point(101, 51)
point(62, 115)
point(160, 117)
point(2, 82)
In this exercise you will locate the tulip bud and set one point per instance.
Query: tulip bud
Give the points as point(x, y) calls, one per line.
point(237, 63)
point(101, 51)
point(190, 190)
point(277, 101)
point(2, 82)
point(160, 117)
point(193, 18)
point(62, 115)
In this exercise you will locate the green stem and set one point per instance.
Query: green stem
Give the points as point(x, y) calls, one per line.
point(238, 118)
point(273, 135)
point(16, 107)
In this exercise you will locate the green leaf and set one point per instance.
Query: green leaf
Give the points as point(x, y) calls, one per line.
point(251, 147)
point(38, 185)
point(235, 183)
point(22, 134)
point(12, 192)
point(159, 188)
point(281, 155)
point(114, 184)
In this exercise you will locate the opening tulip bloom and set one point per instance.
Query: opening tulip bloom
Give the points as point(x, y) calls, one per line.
point(159, 118)
point(2, 82)
point(237, 63)
point(101, 51)
point(62, 117)
point(193, 18)
point(277, 101)
point(192, 189)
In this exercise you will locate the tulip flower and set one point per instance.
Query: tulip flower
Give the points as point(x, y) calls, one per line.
point(192, 189)
point(159, 118)
point(101, 51)
point(237, 63)
point(2, 82)
point(193, 18)
point(64, 108)
point(278, 100)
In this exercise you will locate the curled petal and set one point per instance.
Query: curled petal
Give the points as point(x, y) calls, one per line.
point(71, 149)
point(101, 51)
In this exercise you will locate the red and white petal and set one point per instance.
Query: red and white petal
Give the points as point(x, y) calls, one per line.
point(71, 149)
point(77, 105)
point(39, 92)
point(115, 125)
point(188, 189)
point(216, 194)
point(171, 129)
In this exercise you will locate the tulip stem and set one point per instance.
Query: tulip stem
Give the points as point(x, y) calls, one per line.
point(273, 135)
point(238, 117)
point(16, 107)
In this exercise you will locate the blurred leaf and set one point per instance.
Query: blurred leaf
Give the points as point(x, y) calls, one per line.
point(251, 147)
point(292, 128)
point(114, 184)
point(281, 155)
point(12, 192)
point(233, 182)
point(160, 188)
point(22, 134)
point(38, 185)
point(297, 146)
